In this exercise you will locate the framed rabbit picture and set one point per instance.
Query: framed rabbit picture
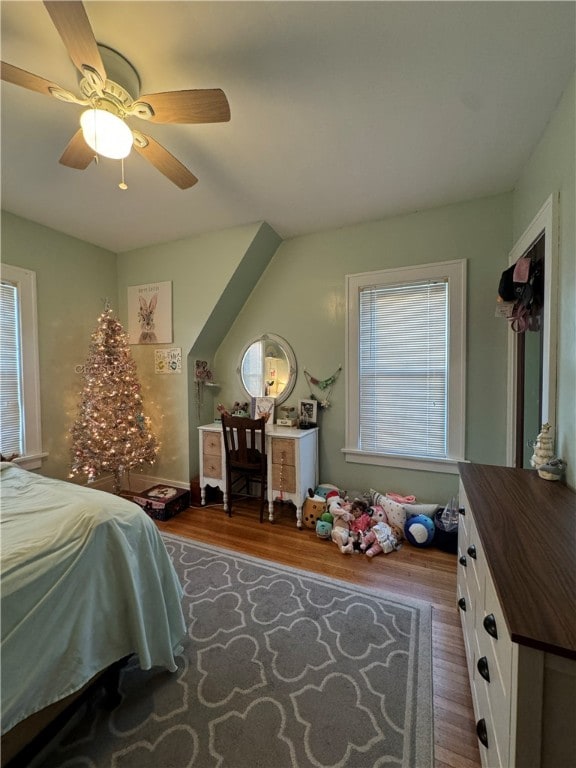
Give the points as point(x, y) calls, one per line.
point(150, 313)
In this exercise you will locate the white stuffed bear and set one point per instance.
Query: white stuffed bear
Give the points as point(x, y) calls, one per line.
point(341, 525)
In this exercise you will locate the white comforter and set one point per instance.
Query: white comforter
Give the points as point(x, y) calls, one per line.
point(86, 580)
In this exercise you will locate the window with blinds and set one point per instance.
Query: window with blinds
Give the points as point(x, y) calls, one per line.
point(11, 413)
point(20, 418)
point(405, 366)
point(404, 369)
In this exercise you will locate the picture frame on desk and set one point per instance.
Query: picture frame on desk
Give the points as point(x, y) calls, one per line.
point(307, 413)
point(263, 407)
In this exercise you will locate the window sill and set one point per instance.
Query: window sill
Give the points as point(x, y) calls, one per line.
point(32, 461)
point(420, 463)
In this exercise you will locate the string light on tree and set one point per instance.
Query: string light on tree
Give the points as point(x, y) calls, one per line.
point(111, 434)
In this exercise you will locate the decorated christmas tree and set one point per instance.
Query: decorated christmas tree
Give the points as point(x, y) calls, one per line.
point(111, 433)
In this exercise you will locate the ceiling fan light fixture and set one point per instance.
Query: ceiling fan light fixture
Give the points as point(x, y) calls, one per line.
point(106, 134)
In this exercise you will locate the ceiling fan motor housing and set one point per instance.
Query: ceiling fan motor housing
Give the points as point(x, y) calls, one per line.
point(121, 88)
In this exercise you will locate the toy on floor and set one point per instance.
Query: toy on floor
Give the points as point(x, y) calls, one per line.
point(401, 499)
point(324, 489)
point(340, 534)
point(380, 538)
point(312, 510)
point(362, 521)
point(419, 530)
point(323, 529)
point(395, 513)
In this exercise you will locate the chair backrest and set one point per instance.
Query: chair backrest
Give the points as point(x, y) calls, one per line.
point(245, 443)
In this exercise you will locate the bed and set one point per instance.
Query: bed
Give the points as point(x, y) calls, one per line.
point(85, 582)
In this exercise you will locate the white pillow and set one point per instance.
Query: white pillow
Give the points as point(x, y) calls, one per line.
point(420, 509)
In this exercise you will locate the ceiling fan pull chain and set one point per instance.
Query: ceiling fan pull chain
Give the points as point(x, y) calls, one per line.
point(123, 184)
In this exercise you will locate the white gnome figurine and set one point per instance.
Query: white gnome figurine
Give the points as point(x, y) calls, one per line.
point(549, 466)
point(543, 448)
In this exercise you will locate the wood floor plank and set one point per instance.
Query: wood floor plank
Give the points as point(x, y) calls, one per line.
point(423, 574)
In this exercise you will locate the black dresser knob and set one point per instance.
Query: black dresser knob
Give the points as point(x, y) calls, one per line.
point(490, 625)
point(483, 668)
point(472, 551)
point(462, 603)
point(462, 561)
point(481, 732)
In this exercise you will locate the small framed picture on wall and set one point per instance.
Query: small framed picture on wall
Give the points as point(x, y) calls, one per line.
point(308, 412)
point(150, 313)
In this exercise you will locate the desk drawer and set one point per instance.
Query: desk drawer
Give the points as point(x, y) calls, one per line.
point(212, 444)
point(212, 466)
point(283, 451)
point(283, 478)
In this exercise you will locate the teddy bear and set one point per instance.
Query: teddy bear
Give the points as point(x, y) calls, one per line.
point(342, 518)
point(380, 538)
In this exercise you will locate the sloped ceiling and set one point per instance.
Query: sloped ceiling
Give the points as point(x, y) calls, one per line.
point(342, 112)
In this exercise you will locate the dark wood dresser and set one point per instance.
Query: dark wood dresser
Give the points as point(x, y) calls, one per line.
point(517, 601)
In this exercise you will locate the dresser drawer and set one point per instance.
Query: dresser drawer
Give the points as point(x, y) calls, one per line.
point(284, 478)
point(493, 753)
point(491, 619)
point(283, 451)
point(211, 445)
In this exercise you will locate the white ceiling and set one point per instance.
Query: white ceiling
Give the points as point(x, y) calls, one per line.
point(342, 112)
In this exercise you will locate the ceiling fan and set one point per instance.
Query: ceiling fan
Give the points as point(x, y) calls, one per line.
point(110, 89)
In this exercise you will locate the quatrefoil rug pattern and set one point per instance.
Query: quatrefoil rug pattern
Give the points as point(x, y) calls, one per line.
point(280, 669)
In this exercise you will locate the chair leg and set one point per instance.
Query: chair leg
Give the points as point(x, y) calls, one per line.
point(262, 499)
point(229, 487)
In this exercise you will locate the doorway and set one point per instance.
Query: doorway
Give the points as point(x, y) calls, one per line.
point(532, 355)
point(529, 350)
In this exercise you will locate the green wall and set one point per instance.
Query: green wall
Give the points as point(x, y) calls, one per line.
point(301, 297)
point(551, 169)
point(73, 281)
point(211, 276)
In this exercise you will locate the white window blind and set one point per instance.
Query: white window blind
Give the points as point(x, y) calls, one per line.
point(12, 422)
point(406, 366)
point(403, 369)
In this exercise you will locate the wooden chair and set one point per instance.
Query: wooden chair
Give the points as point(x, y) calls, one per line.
point(245, 451)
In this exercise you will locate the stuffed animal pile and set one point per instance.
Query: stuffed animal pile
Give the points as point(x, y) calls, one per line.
point(371, 523)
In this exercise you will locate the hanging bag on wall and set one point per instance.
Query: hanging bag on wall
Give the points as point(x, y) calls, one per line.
point(521, 283)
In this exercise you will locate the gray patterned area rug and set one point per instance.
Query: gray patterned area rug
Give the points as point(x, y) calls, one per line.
point(281, 669)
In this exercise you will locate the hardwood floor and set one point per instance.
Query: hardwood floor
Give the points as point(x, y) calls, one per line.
point(426, 574)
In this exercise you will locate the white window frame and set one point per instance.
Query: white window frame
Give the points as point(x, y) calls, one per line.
point(25, 282)
point(454, 272)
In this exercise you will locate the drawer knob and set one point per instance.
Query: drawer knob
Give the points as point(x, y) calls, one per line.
point(481, 732)
point(462, 603)
point(462, 561)
point(490, 625)
point(483, 668)
point(472, 551)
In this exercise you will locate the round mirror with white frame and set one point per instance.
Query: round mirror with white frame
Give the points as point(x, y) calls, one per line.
point(268, 368)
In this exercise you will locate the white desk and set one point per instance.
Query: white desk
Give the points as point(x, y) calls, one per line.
point(292, 464)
